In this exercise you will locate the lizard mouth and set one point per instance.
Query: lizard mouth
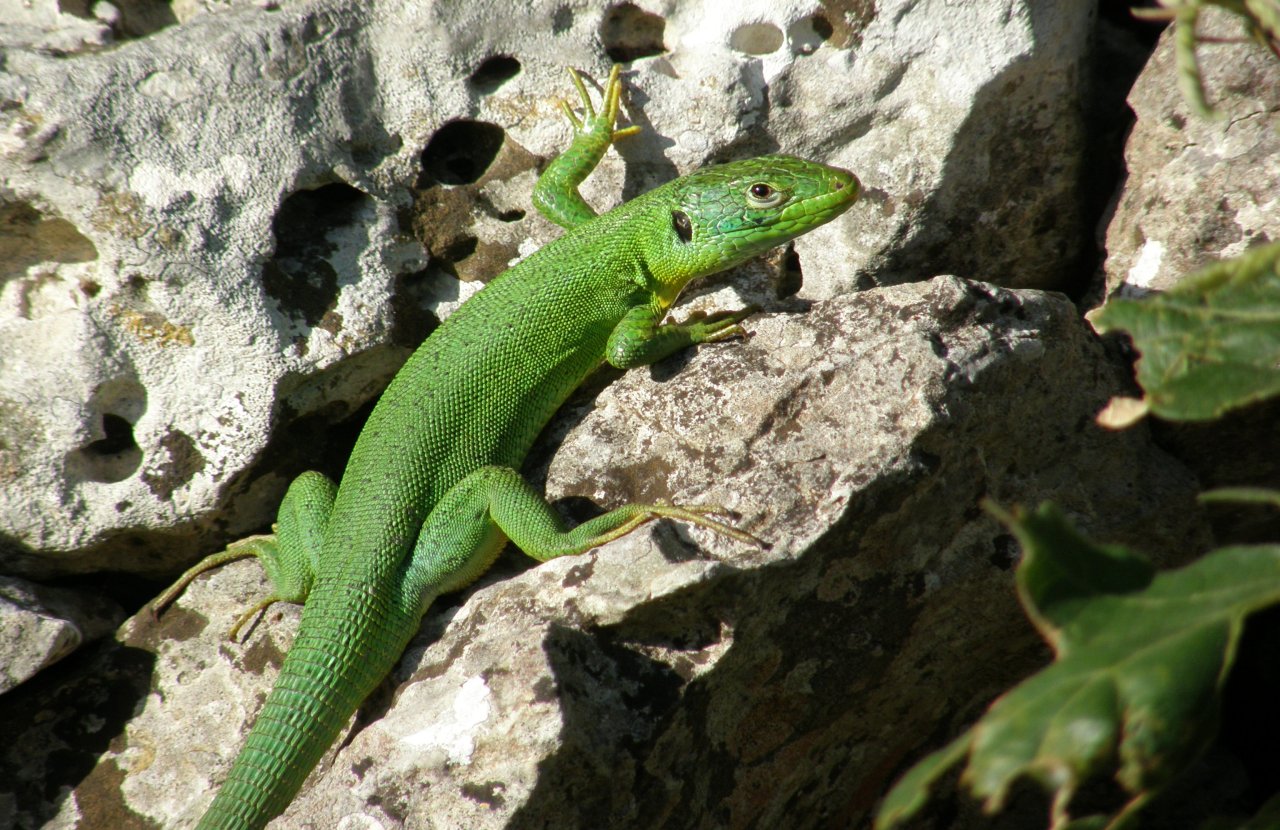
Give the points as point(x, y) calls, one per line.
point(843, 189)
point(839, 190)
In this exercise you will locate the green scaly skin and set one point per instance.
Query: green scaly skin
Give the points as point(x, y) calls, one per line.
point(432, 493)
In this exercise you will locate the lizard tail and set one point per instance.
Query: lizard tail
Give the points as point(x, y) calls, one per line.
point(334, 664)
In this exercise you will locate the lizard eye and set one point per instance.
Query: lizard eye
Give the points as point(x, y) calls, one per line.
point(684, 228)
point(761, 195)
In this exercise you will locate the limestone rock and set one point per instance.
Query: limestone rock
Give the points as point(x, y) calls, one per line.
point(40, 625)
point(672, 679)
point(220, 240)
point(1198, 190)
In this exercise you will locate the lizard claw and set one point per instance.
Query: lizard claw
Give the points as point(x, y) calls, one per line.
point(721, 325)
point(610, 107)
point(698, 515)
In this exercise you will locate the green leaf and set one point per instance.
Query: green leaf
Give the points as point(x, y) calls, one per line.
point(1211, 344)
point(1052, 588)
point(1267, 818)
point(910, 794)
point(1141, 659)
point(1242, 495)
point(1090, 823)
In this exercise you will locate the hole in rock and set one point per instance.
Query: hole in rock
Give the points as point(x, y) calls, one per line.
point(113, 457)
point(29, 237)
point(460, 152)
point(302, 276)
point(128, 18)
point(756, 39)
point(629, 32)
point(494, 72)
point(790, 277)
point(118, 437)
point(807, 34)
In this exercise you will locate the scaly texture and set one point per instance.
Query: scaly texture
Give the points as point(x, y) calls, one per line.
point(431, 493)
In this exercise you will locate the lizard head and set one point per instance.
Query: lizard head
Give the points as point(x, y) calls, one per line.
point(723, 215)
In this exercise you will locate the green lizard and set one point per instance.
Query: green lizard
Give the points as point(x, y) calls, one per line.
point(431, 493)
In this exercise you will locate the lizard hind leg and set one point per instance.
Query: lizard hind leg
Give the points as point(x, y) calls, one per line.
point(468, 527)
point(289, 555)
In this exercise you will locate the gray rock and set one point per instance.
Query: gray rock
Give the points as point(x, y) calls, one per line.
point(1198, 190)
point(216, 238)
point(43, 25)
point(671, 678)
point(40, 625)
point(221, 240)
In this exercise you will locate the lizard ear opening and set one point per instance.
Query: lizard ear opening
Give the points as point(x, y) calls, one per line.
point(683, 227)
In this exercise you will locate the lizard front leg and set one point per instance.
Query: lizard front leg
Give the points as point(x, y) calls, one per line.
point(556, 194)
point(641, 338)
